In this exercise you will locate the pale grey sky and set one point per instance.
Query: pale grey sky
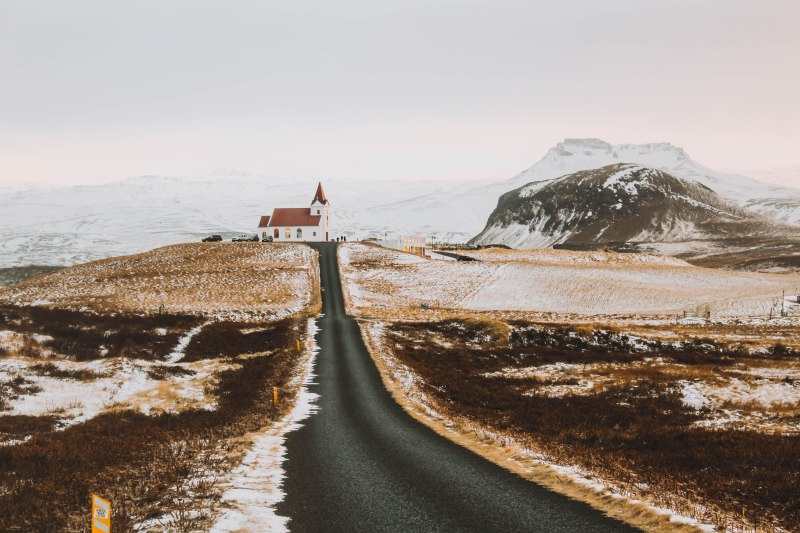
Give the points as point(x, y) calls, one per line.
point(98, 90)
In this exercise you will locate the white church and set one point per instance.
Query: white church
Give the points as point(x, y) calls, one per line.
point(294, 224)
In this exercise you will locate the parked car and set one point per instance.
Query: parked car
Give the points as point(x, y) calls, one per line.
point(268, 238)
point(213, 238)
point(245, 238)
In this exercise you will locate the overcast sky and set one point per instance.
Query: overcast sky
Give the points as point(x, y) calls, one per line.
point(99, 90)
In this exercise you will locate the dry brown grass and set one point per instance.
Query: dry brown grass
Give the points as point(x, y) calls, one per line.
point(162, 468)
point(635, 432)
point(149, 466)
point(196, 278)
point(86, 335)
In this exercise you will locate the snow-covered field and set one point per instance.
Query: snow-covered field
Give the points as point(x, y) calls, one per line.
point(556, 281)
point(66, 226)
point(237, 280)
point(105, 385)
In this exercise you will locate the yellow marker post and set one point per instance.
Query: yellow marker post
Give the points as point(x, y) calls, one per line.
point(298, 345)
point(275, 395)
point(101, 515)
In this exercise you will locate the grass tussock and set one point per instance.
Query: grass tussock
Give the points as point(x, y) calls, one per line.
point(229, 339)
point(16, 387)
point(163, 468)
point(85, 336)
point(638, 433)
point(162, 372)
point(51, 370)
point(20, 426)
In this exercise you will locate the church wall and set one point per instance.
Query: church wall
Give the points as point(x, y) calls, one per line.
point(307, 234)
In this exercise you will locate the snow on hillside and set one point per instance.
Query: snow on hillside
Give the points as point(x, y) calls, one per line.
point(622, 203)
point(573, 155)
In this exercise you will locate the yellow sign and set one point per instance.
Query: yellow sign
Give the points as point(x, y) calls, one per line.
point(101, 515)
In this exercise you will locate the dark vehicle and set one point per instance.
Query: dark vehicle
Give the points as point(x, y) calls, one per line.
point(213, 238)
point(267, 239)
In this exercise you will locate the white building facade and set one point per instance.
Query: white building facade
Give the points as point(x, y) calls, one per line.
point(299, 224)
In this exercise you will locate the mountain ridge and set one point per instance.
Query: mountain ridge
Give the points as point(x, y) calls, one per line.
point(637, 205)
point(576, 154)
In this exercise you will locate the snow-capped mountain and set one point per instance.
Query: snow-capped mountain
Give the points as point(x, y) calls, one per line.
point(620, 203)
point(572, 155)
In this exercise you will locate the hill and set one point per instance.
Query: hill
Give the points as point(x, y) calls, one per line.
point(647, 208)
point(573, 155)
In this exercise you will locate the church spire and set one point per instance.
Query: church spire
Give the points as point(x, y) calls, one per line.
point(320, 196)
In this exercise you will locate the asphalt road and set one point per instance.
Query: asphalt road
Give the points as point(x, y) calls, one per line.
point(362, 464)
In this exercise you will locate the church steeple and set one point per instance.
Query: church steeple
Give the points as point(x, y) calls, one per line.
point(320, 196)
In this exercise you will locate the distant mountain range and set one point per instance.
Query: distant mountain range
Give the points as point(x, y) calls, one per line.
point(62, 226)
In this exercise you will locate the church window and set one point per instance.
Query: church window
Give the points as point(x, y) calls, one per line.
point(276, 233)
point(288, 233)
point(299, 233)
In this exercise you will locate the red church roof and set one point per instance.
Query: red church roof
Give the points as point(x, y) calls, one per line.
point(319, 196)
point(294, 216)
point(264, 222)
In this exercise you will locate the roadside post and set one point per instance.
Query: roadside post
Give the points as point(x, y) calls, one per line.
point(101, 515)
point(298, 345)
point(275, 396)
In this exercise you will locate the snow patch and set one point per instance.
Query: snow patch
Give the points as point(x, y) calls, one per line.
point(254, 487)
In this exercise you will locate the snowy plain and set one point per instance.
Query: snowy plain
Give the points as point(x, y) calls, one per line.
point(69, 225)
point(555, 281)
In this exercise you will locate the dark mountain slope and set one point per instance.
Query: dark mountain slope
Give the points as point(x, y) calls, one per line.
point(625, 203)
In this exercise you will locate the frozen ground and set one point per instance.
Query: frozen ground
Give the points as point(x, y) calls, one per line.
point(556, 281)
point(116, 384)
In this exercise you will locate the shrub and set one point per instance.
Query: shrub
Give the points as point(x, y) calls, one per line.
point(225, 339)
point(87, 336)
